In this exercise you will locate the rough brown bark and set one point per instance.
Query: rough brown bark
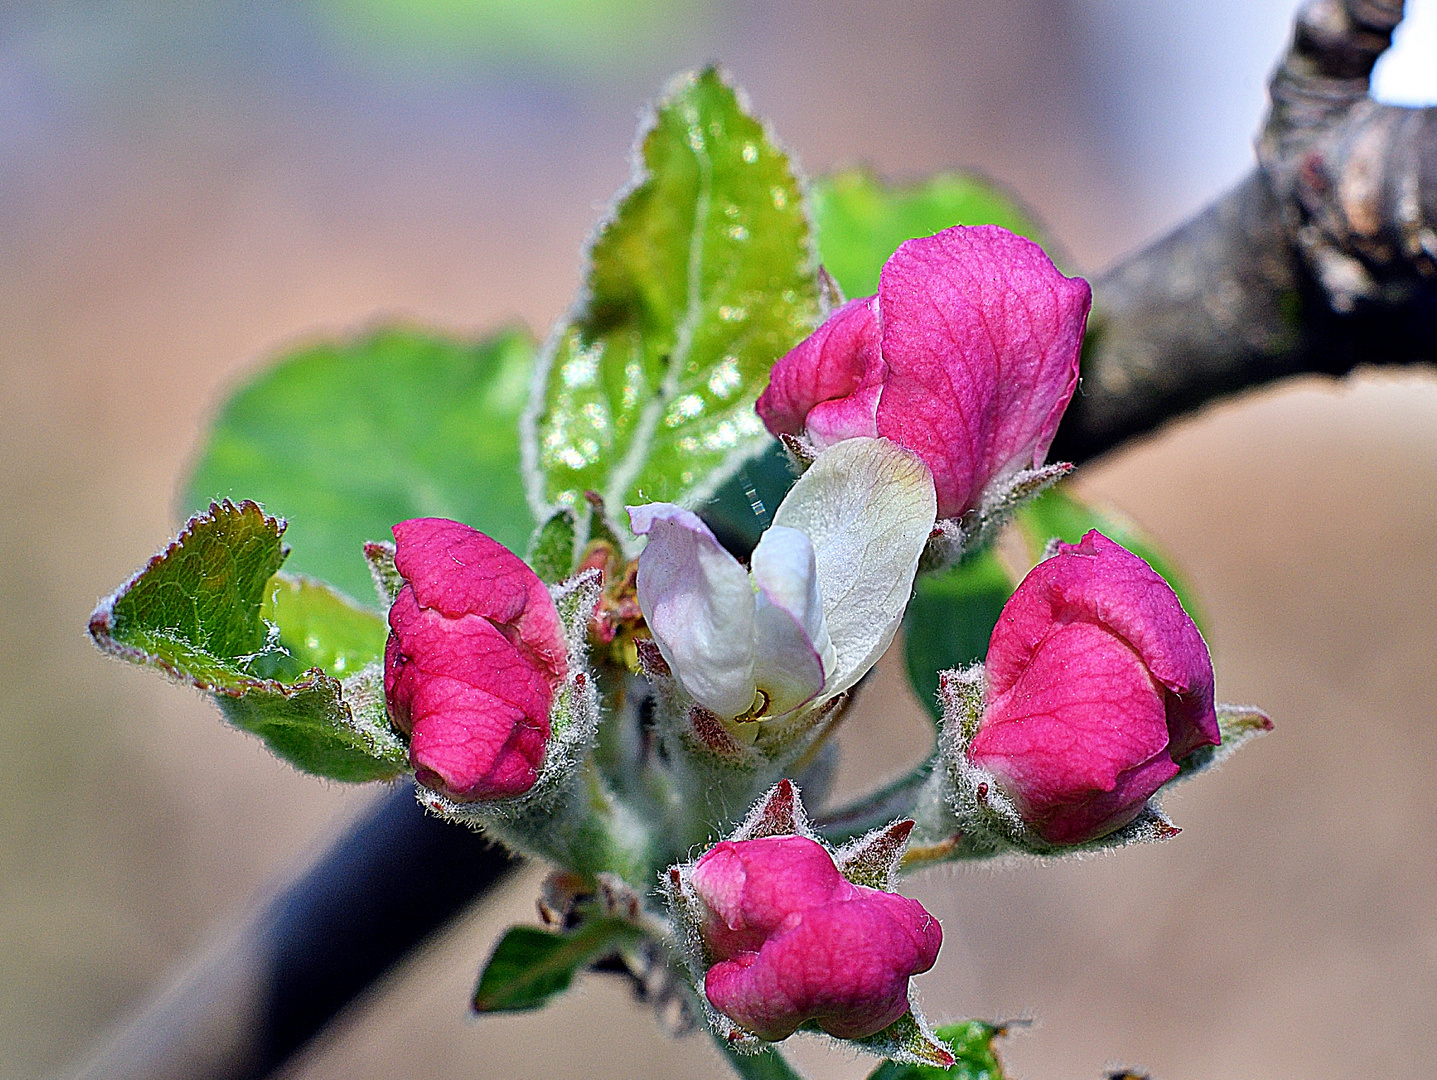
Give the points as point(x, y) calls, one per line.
point(1323, 259)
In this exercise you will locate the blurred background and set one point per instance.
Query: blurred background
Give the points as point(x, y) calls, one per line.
point(187, 188)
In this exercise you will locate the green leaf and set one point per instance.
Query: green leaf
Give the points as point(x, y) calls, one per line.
point(338, 730)
point(971, 1043)
point(193, 611)
point(530, 966)
point(345, 439)
point(703, 277)
point(860, 220)
point(1061, 514)
point(196, 611)
point(950, 619)
point(551, 549)
point(321, 627)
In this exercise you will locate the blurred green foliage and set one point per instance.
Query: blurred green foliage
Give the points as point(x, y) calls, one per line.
point(861, 219)
point(553, 34)
point(701, 279)
point(346, 439)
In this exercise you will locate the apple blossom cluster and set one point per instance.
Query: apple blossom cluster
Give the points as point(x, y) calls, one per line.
point(639, 697)
point(918, 417)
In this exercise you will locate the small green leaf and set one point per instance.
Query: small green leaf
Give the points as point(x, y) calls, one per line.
point(1061, 514)
point(950, 619)
point(193, 611)
point(703, 278)
point(551, 549)
point(338, 730)
point(530, 966)
point(971, 1043)
point(196, 611)
point(321, 627)
point(348, 438)
point(860, 220)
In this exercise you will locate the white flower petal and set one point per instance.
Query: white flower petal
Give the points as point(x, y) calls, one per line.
point(699, 606)
point(793, 652)
point(868, 507)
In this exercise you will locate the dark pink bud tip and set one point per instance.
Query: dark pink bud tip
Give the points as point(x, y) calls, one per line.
point(1098, 683)
point(792, 940)
point(475, 653)
point(967, 356)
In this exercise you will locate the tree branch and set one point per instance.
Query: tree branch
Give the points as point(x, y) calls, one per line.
point(1323, 259)
point(396, 877)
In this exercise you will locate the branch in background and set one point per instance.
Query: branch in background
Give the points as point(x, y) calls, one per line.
point(1323, 259)
point(395, 878)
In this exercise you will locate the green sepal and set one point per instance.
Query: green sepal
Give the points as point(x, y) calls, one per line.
point(346, 438)
point(529, 966)
point(909, 1040)
point(1060, 514)
point(1238, 724)
point(551, 548)
point(703, 276)
point(950, 619)
point(972, 1045)
point(196, 612)
point(860, 220)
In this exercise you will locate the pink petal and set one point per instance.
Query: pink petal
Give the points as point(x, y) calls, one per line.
point(477, 707)
point(843, 964)
point(475, 652)
point(1098, 683)
point(829, 383)
point(1080, 739)
point(460, 571)
point(752, 886)
point(981, 336)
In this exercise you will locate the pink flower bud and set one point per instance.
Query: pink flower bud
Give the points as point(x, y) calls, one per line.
point(1098, 684)
point(967, 356)
point(792, 940)
point(475, 653)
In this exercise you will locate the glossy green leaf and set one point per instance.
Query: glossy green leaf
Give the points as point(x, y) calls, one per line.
point(972, 1045)
point(197, 612)
point(345, 439)
point(1060, 513)
point(529, 966)
point(950, 619)
point(703, 277)
point(193, 611)
point(860, 220)
point(321, 627)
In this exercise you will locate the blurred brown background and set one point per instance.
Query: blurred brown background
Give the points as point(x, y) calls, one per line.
point(186, 188)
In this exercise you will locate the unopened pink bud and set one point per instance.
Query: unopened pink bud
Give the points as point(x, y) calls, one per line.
point(475, 653)
point(1098, 683)
point(967, 356)
point(792, 940)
